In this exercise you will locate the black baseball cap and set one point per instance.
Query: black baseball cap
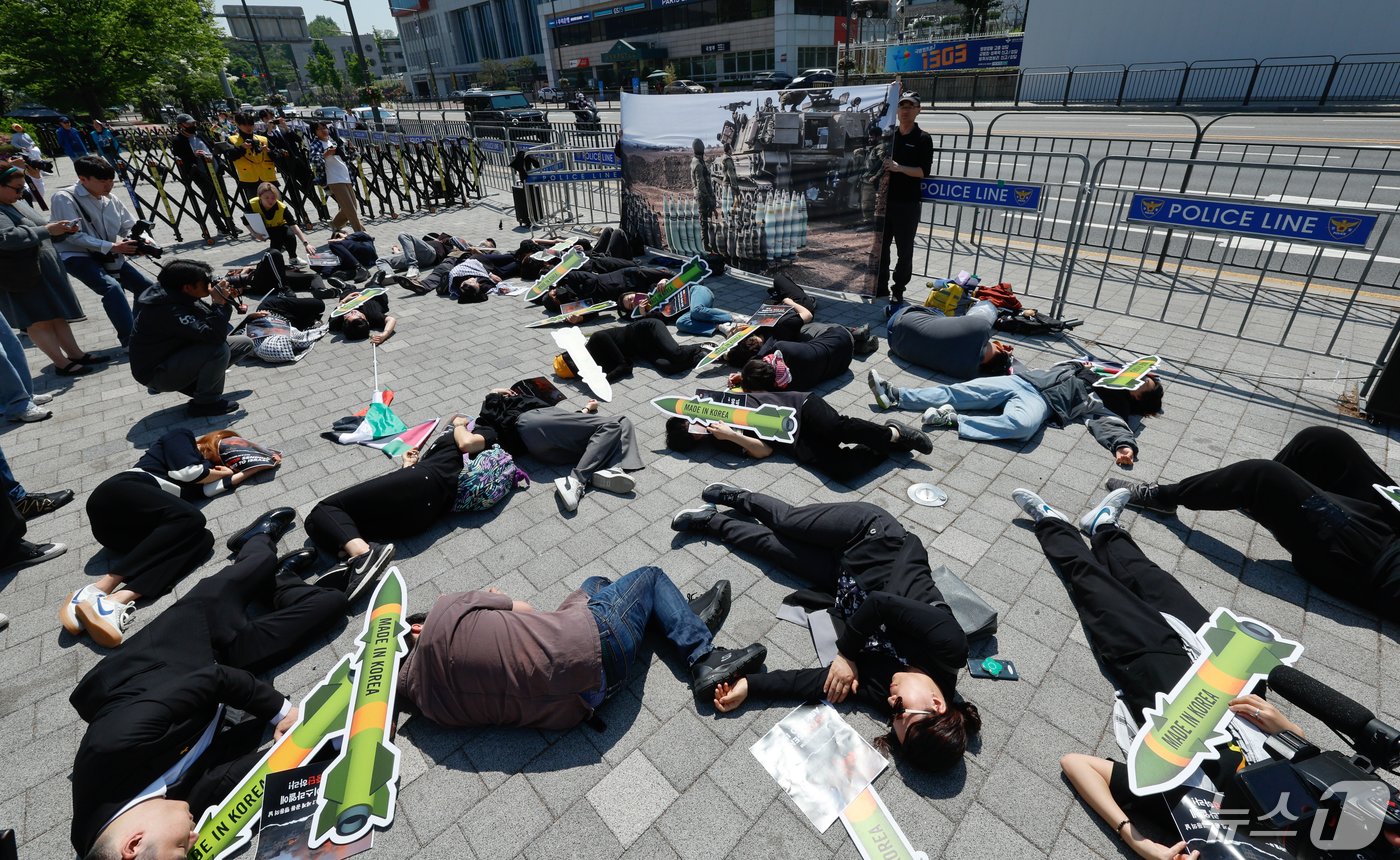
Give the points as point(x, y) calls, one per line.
point(910, 97)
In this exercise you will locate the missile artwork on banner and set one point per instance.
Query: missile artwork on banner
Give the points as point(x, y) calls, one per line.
point(360, 787)
point(769, 422)
point(1187, 725)
point(225, 828)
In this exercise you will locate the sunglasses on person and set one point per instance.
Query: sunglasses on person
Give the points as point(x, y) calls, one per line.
point(899, 709)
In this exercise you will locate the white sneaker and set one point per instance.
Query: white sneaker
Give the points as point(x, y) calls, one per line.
point(41, 399)
point(32, 414)
point(68, 615)
point(940, 416)
point(570, 492)
point(885, 395)
point(1035, 507)
point(106, 621)
point(1106, 512)
point(412, 272)
point(726, 329)
point(300, 263)
point(613, 480)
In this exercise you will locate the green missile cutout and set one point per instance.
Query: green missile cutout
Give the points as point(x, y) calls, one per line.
point(769, 422)
point(570, 261)
point(1188, 724)
point(1131, 377)
point(360, 787)
point(356, 300)
point(1390, 494)
point(224, 829)
point(582, 312)
point(725, 346)
point(694, 271)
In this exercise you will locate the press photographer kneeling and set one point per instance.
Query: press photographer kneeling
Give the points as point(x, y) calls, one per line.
point(182, 343)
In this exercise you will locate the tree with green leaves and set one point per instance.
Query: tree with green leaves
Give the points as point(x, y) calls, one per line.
point(494, 73)
point(320, 67)
point(357, 73)
point(978, 12)
point(80, 55)
point(324, 26)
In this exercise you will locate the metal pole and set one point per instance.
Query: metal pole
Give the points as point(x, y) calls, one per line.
point(558, 54)
point(846, 66)
point(267, 73)
point(359, 50)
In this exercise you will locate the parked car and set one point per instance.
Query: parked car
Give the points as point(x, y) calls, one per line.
point(813, 78)
point(683, 86)
point(335, 115)
point(505, 109)
point(550, 94)
point(364, 118)
point(772, 81)
point(457, 94)
point(36, 113)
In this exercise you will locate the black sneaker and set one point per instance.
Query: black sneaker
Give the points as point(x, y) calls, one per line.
point(26, 553)
point(720, 493)
point(1145, 496)
point(365, 570)
point(326, 292)
point(712, 607)
point(210, 410)
point(911, 439)
point(724, 666)
point(275, 523)
point(361, 274)
point(693, 519)
point(37, 504)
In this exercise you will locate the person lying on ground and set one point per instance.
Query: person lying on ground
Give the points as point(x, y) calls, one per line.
point(700, 318)
point(1317, 497)
point(463, 278)
point(356, 252)
point(272, 273)
point(480, 658)
point(818, 353)
point(146, 519)
point(400, 504)
point(371, 320)
point(959, 346)
point(1028, 400)
point(617, 349)
point(612, 286)
point(1135, 616)
point(601, 449)
point(839, 446)
point(900, 649)
point(153, 756)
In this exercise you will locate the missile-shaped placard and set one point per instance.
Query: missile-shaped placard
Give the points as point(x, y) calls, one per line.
point(356, 300)
point(1131, 377)
point(1188, 723)
point(725, 346)
point(694, 271)
point(579, 312)
point(1390, 494)
point(571, 340)
point(571, 261)
point(769, 422)
point(359, 788)
point(225, 828)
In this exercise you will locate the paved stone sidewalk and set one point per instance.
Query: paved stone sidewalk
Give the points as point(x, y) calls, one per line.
point(665, 780)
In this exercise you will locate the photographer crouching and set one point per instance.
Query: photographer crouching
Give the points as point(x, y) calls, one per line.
point(99, 254)
point(181, 342)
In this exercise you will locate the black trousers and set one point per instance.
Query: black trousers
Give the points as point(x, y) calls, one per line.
point(400, 504)
point(807, 542)
point(1316, 499)
point(615, 349)
point(12, 524)
point(822, 433)
point(301, 311)
point(901, 223)
point(786, 288)
point(272, 273)
point(296, 611)
point(282, 239)
point(204, 201)
point(1120, 595)
point(160, 537)
point(614, 242)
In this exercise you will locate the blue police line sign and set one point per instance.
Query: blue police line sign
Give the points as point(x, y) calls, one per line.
point(498, 146)
point(993, 193)
point(573, 176)
point(1266, 220)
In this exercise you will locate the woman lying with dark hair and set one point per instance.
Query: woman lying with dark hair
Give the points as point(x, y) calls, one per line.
point(899, 646)
point(371, 320)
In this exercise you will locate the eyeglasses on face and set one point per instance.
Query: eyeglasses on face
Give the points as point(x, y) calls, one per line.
point(899, 709)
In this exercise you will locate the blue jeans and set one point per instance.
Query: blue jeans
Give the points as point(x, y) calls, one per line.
point(702, 316)
point(109, 286)
point(1023, 410)
point(8, 484)
point(16, 386)
point(625, 608)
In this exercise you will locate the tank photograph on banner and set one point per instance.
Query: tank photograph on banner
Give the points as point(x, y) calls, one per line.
point(772, 182)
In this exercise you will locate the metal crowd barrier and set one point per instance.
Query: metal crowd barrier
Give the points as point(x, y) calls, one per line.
point(1195, 259)
point(574, 188)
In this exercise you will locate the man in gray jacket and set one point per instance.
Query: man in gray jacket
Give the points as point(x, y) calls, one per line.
point(1027, 400)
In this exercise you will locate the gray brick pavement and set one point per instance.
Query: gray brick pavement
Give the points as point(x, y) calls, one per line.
point(664, 780)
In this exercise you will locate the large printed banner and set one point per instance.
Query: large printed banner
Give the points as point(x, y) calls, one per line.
point(960, 54)
point(773, 181)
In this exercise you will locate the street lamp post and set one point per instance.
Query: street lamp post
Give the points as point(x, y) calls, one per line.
point(359, 50)
point(558, 54)
point(252, 26)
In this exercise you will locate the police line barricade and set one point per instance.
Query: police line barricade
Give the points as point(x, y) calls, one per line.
point(1229, 258)
point(574, 188)
point(1004, 215)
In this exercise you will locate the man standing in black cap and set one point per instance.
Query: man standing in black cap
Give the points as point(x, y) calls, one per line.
point(908, 161)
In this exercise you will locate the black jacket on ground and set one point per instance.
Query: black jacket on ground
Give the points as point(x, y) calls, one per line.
point(1068, 389)
point(168, 322)
point(820, 352)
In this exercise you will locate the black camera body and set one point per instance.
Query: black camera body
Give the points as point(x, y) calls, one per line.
point(144, 245)
point(39, 163)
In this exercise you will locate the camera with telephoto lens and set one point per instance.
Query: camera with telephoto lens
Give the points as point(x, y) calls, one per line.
point(39, 163)
point(1334, 804)
point(144, 245)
